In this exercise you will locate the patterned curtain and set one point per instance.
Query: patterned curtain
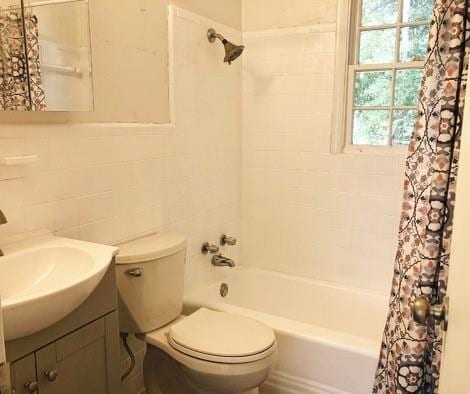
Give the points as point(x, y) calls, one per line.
point(20, 73)
point(411, 353)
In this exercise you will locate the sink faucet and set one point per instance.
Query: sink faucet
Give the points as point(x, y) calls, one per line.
point(3, 220)
point(220, 261)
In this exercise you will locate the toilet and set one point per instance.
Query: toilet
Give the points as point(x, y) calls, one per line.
point(205, 352)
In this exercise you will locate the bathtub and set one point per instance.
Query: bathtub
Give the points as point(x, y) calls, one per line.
point(328, 335)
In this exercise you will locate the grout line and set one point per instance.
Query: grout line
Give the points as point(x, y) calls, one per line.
point(284, 31)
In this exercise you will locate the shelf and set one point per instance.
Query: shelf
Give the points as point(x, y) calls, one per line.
point(18, 160)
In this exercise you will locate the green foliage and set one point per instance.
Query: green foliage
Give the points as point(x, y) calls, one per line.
point(379, 12)
point(377, 46)
point(417, 10)
point(407, 86)
point(371, 127)
point(413, 43)
point(403, 124)
point(373, 88)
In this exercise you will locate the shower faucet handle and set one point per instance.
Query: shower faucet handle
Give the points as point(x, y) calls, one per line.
point(227, 240)
point(209, 248)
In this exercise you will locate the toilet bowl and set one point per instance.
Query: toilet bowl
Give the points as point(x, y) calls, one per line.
point(217, 352)
point(205, 352)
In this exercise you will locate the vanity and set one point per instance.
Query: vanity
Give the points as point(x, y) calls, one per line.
point(53, 345)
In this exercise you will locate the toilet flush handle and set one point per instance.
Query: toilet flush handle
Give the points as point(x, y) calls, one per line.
point(135, 272)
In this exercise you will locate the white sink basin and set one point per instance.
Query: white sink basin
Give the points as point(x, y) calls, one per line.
point(45, 278)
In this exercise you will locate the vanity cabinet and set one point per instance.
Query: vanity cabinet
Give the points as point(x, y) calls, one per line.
point(79, 355)
point(74, 364)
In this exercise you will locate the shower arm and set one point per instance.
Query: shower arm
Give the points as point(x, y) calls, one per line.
point(212, 35)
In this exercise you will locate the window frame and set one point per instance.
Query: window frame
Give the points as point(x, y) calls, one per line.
point(349, 20)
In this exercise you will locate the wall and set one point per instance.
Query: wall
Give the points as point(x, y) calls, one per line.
point(306, 211)
point(9, 3)
point(227, 12)
point(105, 183)
point(134, 38)
point(273, 14)
point(125, 38)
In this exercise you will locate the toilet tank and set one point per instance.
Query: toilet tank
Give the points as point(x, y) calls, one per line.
point(150, 281)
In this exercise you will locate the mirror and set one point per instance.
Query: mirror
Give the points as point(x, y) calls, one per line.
point(45, 56)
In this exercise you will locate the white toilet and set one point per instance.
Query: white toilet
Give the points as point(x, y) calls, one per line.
point(205, 352)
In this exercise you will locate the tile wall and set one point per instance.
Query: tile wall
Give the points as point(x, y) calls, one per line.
point(306, 211)
point(264, 157)
point(109, 182)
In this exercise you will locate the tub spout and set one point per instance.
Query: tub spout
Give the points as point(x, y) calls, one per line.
point(220, 261)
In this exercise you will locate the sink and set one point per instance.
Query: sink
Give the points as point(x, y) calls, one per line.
point(45, 278)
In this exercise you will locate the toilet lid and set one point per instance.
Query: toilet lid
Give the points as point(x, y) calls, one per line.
point(209, 334)
point(151, 247)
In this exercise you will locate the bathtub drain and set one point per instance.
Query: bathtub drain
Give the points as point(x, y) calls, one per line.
point(224, 289)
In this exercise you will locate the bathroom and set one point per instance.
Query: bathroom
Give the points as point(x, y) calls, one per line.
point(255, 172)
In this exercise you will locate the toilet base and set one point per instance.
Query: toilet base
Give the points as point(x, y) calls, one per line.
point(164, 375)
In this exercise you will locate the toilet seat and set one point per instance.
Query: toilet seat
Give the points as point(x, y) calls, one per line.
point(222, 337)
point(192, 352)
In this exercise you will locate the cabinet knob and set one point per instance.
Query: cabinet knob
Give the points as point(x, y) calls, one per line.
point(51, 375)
point(31, 387)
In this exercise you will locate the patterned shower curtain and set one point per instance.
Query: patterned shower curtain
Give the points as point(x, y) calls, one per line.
point(411, 353)
point(20, 73)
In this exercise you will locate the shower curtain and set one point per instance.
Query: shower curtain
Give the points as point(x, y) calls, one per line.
point(410, 355)
point(20, 73)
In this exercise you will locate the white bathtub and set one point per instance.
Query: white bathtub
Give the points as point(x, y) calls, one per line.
point(329, 336)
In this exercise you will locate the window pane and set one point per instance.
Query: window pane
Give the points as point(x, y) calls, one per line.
point(373, 88)
point(413, 43)
point(417, 10)
point(377, 46)
point(407, 86)
point(371, 127)
point(403, 125)
point(379, 12)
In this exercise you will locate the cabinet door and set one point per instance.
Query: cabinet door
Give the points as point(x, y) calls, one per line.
point(23, 375)
point(46, 368)
point(77, 362)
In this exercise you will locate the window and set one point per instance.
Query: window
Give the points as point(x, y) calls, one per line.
point(387, 50)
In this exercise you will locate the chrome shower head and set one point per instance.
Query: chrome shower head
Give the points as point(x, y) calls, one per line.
point(232, 51)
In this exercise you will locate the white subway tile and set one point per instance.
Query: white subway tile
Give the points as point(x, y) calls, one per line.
point(335, 212)
point(106, 183)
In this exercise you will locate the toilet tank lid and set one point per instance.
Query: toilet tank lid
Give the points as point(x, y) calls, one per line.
point(152, 247)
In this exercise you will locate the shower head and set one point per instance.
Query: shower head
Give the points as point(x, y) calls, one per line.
point(232, 51)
